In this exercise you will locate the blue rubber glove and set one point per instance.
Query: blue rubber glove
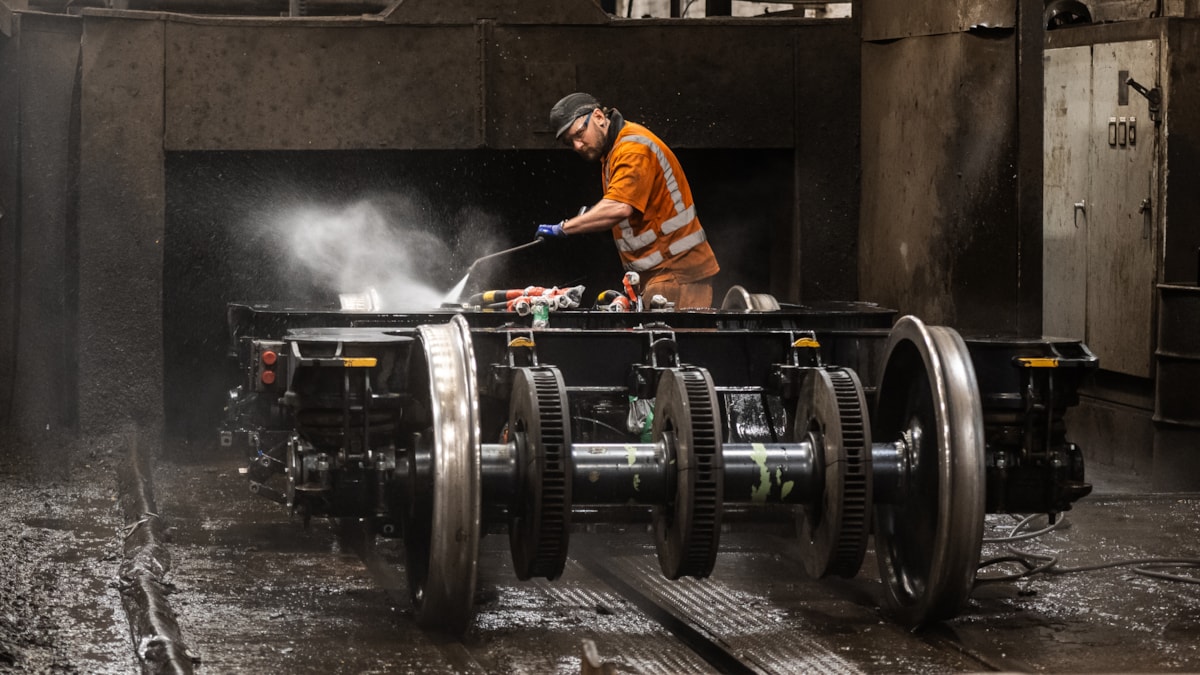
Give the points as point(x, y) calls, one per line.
point(552, 230)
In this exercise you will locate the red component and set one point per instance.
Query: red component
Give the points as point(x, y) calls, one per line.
point(269, 358)
point(519, 304)
point(619, 304)
point(268, 376)
point(629, 290)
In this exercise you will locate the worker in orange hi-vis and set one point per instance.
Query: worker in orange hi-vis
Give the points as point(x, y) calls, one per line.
point(647, 202)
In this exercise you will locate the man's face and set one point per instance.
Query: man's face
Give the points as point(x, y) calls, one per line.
point(586, 135)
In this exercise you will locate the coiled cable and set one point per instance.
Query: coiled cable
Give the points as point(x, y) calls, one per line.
point(1039, 563)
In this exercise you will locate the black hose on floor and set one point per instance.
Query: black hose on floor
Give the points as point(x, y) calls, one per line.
point(155, 633)
point(1037, 563)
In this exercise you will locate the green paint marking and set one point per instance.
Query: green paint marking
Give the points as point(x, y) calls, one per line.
point(758, 494)
point(786, 490)
point(631, 454)
point(637, 482)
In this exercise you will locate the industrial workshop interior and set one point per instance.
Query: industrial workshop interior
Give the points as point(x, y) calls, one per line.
point(599, 336)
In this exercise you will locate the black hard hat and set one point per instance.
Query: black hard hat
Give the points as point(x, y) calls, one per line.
point(570, 108)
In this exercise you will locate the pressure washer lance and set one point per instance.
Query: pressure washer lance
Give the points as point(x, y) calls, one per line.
point(453, 295)
point(456, 292)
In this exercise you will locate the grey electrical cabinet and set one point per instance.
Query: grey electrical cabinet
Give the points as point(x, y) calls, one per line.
point(1119, 123)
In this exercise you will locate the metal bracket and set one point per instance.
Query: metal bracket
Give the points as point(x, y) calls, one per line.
point(804, 354)
point(520, 352)
point(805, 350)
point(268, 492)
point(1153, 96)
point(662, 353)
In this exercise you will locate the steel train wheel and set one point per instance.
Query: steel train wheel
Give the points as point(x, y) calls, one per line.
point(833, 532)
point(443, 521)
point(928, 541)
point(540, 522)
point(687, 530)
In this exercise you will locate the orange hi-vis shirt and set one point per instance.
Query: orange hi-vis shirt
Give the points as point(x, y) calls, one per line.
point(663, 234)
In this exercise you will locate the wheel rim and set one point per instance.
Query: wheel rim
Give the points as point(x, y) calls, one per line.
point(442, 535)
point(928, 540)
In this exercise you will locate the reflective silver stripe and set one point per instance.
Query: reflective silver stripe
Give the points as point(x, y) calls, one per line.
point(643, 264)
point(668, 172)
point(687, 243)
point(684, 216)
point(631, 242)
point(688, 215)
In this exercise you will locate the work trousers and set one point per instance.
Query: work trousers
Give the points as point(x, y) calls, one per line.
point(695, 295)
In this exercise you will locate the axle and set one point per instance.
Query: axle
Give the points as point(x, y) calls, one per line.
point(611, 474)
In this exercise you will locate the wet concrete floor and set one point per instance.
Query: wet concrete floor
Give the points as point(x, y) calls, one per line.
point(60, 550)
point(257, 591)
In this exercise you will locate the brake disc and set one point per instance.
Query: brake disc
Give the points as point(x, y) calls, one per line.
point(687, 529)
point(830, 414)
point(540, 522)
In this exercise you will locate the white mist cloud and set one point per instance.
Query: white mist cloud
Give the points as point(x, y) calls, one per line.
point(369, 244)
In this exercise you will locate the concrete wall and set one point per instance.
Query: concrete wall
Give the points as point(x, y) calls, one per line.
point(41, 228)
point(9, 203)
point(939, 128)
point(121, 208)
point(950, 227)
